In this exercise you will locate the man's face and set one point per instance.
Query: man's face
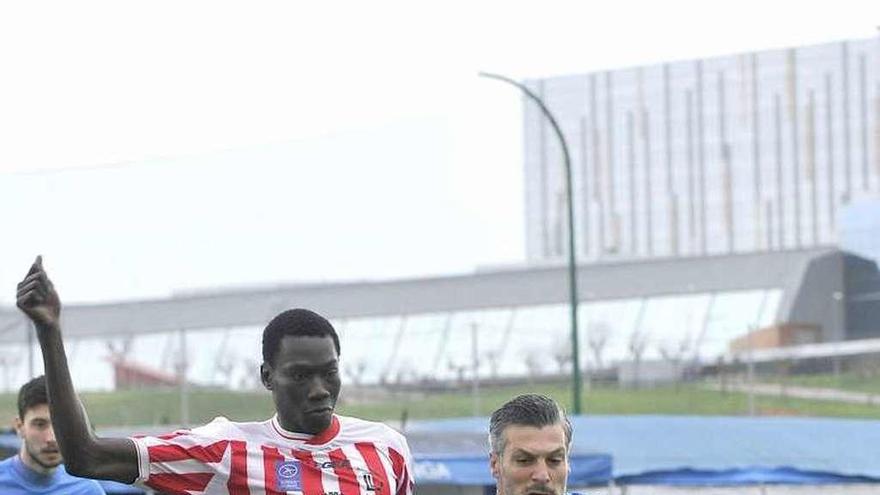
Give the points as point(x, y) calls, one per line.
point(39, 450)
point(304, 382)
point(534, 461)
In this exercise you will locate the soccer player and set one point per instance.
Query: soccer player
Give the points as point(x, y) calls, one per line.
point(37, 468)
point(304, 447)
point(529, 442)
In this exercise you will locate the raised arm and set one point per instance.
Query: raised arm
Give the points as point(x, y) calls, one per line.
point(85, 455)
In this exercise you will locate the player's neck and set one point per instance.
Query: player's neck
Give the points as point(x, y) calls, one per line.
point(322, 436)
point(34, 466)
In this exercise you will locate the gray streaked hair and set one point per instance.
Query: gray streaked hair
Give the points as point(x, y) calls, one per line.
point(526, 410)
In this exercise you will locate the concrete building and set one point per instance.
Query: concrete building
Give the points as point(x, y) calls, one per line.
point(742, 153)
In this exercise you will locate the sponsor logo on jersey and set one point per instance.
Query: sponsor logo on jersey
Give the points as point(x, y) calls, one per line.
point(341, 463)
point(288, 476)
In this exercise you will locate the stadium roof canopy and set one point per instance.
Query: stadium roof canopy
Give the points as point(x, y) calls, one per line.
point(503, 288)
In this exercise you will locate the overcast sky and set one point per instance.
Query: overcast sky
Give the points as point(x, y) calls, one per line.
point(160, 146)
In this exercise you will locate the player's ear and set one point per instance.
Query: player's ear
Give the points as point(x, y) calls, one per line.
point(265, 376)
point(17, 425)
point(494, 465)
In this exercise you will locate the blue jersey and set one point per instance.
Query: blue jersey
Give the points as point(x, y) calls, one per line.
point(18, 479)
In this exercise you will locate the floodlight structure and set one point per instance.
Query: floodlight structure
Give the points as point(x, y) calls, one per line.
point(572, 267)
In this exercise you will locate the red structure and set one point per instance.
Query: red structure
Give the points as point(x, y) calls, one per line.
point(129, 375)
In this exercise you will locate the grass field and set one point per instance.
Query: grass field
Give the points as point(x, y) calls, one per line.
point(855, 382)
point(689, 399)
point(163, 407)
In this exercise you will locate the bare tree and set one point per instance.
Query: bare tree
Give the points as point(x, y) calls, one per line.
point(638, 342)
point(674, 353)
point(598, 333)
point(459, 369)
point(562, 355)
point(534, 363)
point(493, 359)
point(119, 348)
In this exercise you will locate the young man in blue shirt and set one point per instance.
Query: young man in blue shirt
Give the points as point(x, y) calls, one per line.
point(37, 468)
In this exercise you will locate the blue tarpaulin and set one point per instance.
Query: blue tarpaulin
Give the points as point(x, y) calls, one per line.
point(586, 469)
point(741, 476)
point(449, 457)
point(713, 450)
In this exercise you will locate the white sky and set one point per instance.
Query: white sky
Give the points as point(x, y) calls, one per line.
point(227, 143)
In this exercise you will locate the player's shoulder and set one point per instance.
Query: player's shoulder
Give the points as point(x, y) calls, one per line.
point(220, 428)
point(6, 469)
point(358, 424)
point(6, 473)
point(362, 429)
point(225, 428)
point(67, 483)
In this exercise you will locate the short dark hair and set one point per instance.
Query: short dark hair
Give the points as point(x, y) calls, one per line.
point(297, 322)
point(526, 410)
point(32, 394)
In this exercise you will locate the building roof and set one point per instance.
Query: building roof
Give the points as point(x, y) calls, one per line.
point(524, 286)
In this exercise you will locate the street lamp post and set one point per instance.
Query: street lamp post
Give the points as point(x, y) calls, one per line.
point(572, 267)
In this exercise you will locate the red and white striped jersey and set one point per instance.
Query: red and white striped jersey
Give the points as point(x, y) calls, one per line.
point(351, 457)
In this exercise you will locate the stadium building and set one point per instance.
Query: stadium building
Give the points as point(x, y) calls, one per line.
point(711, 200)
point(751, 152)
